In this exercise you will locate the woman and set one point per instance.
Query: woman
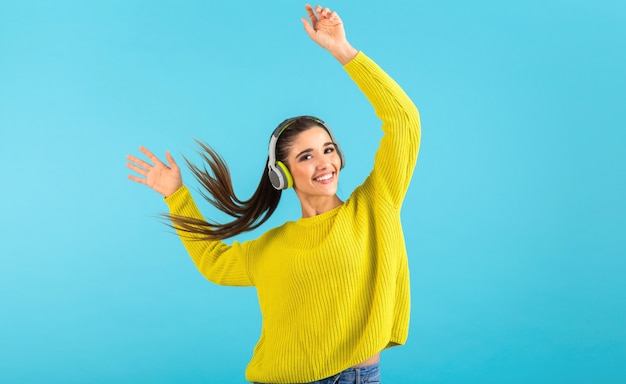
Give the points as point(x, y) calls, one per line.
point(333, 286)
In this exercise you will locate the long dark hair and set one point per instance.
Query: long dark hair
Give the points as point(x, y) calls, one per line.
point(217, 189)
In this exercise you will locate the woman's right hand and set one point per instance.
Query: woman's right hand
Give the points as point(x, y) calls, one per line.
point(162, 178)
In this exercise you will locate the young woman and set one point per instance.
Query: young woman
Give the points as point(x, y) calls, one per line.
point(333, 286)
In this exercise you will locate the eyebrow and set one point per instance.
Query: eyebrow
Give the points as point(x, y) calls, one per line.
point(311, 149)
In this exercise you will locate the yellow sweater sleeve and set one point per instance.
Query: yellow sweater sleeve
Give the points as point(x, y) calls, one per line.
point(397, 154)
point(219, 262)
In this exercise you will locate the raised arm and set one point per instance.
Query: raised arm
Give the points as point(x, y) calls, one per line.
point(398, 149)
point(397, 153)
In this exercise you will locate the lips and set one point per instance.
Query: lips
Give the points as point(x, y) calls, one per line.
point(325, 177)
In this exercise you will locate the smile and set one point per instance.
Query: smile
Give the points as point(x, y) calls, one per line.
point(324, 177)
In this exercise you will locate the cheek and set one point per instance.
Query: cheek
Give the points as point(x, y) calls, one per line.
point(299, 171)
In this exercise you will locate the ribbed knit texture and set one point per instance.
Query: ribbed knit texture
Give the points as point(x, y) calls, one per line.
point(334, 288)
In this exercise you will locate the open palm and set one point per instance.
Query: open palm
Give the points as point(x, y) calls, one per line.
point(160, 177)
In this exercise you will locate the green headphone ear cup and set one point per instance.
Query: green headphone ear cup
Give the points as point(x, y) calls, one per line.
point(286, 174)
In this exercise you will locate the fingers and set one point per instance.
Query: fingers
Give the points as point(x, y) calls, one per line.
point(139, 162)
point(170, 160)
point(140, 166)
point(323, 13)
point(137, 179)
point(143, 167)
point(139, 170)
point(308, 28)
point(150, 155)
point(309, 11)
point(320, 13)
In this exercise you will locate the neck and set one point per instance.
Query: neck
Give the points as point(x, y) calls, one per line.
point(318, 205)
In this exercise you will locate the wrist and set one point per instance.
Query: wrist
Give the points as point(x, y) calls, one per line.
point(344, 53)
point(171, 191)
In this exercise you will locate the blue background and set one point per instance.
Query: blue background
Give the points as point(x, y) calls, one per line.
point(515, 220)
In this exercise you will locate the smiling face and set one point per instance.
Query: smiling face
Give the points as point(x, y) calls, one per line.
point(314, 164)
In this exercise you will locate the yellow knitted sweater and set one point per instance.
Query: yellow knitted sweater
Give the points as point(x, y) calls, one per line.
point(334, 288)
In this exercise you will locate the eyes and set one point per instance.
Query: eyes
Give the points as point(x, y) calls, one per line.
point(307, 155)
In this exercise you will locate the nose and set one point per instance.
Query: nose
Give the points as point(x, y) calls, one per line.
point(322, 164)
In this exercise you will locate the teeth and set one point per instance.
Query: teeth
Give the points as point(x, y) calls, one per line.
point(324, 177)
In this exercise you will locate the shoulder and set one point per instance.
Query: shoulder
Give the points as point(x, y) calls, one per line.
point(272, 234)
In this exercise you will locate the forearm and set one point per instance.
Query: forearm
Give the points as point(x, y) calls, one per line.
point(220, 263)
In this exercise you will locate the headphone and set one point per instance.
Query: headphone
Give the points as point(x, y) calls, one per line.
point(279, 175)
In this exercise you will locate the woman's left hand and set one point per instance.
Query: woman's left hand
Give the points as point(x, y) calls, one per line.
point(326, 29)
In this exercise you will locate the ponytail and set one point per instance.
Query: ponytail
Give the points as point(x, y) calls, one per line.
point(218, 190)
